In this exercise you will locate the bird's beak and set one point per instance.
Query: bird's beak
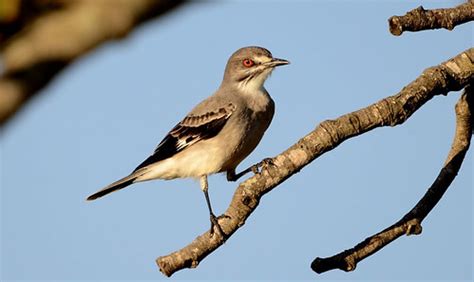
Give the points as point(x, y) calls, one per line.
point(277, 62)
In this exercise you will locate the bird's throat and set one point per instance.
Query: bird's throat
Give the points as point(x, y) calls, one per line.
point(254, 83)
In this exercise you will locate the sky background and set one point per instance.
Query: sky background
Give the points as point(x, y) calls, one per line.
point(105, 114)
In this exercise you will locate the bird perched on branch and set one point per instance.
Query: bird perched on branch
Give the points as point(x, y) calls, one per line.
point(219, 132)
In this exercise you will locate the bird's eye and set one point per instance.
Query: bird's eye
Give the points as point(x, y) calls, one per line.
point(248, 63)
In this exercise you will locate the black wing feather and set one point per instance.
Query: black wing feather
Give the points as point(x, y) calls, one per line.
point(189, 131)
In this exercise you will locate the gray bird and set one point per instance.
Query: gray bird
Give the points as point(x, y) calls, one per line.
point(219, 132)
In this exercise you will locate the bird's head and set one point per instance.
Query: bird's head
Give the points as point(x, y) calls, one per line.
point(249, 67)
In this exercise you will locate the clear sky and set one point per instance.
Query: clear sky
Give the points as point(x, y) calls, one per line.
point(106, 113)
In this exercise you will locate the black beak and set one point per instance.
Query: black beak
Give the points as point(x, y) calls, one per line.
point(277, 62)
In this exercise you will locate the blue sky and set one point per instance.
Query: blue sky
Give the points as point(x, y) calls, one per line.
point(105, 114)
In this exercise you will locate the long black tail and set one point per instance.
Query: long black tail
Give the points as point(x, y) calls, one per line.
point(117, 185)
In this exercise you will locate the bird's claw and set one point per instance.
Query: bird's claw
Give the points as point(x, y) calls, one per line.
point(215, 223)
point(267, 162)
point(263, 164)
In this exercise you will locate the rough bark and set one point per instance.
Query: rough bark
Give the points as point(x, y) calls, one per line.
point(41, 43)
point(410, 224)
point(452, 75)
point(421, 19)
point(32, 55)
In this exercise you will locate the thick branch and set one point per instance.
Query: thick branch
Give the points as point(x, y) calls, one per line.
point(421, 19)
point(452, 75)
point(411, 222)
point(32, 57)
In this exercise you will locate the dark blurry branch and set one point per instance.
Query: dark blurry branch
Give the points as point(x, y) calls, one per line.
point(35, 47)
point(452, 75)
point(411, 223)
point(421, 19)
point(17, 14)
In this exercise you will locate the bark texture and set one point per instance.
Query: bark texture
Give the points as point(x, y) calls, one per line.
point(39, 38)
point(410, 224)
point(421, 19)
point(452, 75)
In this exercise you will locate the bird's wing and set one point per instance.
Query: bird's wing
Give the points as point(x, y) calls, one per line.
point(192, 129)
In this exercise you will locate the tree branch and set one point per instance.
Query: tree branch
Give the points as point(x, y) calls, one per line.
point(421, 19)
point(452, 75)
point(58, 36)
point(411, 223)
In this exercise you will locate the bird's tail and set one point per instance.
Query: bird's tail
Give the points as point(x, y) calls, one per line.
point(117, 185)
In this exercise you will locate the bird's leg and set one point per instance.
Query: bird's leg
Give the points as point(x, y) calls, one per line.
point(214, 221)
point(232, 176)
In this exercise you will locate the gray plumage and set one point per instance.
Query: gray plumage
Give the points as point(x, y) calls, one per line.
point(220, 131)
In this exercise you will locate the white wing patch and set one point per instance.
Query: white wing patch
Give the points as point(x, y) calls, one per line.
point(190, 130)
point(194, 128)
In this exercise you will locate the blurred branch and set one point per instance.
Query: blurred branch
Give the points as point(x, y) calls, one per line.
point(17, 14)
point(39, 42)
point(421, 19)
point(452, 75)
point(411, 223)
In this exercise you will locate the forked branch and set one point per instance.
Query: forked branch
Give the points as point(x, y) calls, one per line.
point(411, 223)
point(452, 75)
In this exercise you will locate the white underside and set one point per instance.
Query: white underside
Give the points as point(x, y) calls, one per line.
point(203, 158)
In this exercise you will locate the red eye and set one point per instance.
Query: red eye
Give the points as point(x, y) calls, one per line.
point(248, 63)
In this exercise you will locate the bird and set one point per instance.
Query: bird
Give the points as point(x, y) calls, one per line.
point(218, 133)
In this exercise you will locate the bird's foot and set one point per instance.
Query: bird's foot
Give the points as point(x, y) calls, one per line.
point(215, 223)
point(263, 164)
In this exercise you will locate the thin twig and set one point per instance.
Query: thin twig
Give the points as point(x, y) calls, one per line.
point(421, 19)
point(411, 223)
point(452, 75)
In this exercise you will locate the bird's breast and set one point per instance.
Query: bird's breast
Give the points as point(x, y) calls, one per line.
point(241, 140)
